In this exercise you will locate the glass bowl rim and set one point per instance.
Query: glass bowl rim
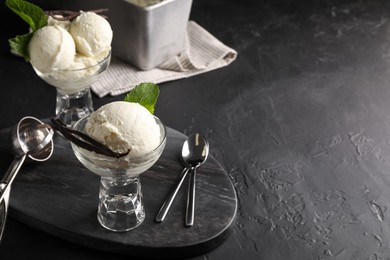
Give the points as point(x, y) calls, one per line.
point(105, 59)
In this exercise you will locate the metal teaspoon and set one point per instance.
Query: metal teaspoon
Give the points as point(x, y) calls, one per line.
point(168, 202)
point(194, 157)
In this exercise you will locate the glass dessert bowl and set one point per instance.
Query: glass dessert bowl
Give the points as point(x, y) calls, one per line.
point(74, 100)
point(121, 206)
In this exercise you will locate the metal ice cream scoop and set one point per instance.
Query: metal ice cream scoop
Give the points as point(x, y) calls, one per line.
point(31, 140)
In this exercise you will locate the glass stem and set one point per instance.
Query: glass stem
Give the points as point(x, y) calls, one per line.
point(72, 107)
point(120, 203)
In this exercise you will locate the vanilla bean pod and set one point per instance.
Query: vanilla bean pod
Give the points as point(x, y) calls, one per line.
point(67, 15)
point(83, 140)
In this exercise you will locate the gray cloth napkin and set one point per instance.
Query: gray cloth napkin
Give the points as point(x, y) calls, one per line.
point(202, 53)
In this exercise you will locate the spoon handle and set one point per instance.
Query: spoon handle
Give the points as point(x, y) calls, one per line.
point(168, 202)
point(191, 199)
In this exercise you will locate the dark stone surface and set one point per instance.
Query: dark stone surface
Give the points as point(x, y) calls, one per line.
point(300, 122)
point(60, 197)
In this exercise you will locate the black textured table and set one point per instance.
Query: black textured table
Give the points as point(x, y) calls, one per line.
point(300, 122)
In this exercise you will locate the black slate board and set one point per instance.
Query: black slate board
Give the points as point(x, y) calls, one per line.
point(60, 197)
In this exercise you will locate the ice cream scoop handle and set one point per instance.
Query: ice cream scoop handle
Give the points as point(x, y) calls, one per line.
point(4, 211)
point(10, 175)
point(168, 202)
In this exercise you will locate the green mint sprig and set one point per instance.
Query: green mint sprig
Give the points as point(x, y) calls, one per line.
point(34, 16)
point(145, 94)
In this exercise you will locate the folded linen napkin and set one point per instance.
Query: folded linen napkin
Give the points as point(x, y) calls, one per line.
point(202, 53)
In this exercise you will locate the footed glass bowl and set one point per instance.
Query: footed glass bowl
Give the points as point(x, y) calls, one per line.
point(74, 100)
point(121, 205)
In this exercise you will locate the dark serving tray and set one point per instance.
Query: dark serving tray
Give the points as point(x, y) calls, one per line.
point(60, 197)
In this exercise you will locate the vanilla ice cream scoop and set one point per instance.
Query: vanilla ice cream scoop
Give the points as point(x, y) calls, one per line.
point(92, 33)
point(51, 48)
point(124, 126)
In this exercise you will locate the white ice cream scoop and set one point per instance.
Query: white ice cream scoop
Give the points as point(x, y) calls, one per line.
point(51, 48)
point(124, 126)
point(92, 34)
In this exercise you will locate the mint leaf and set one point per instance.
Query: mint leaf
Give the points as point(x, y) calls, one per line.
point(145, 94)
point(19, 45)
point(30, 13)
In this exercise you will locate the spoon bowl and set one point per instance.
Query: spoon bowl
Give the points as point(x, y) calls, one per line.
point(195, 150)
point(32, 140)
